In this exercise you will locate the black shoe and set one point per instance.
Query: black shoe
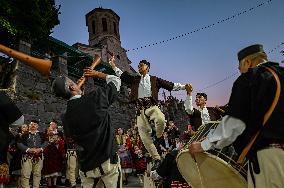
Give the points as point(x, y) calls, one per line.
point(59, 181)
point(125, 182)
point(156, 164)
point(67, 183)
point(78, 181)
point(73, 186)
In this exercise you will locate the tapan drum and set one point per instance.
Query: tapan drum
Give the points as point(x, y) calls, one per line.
point(212, 169)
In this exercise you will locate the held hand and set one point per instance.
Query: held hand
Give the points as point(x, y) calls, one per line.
point(195, 147)
point(218, 108)
point(90, 73)
point(188, 88)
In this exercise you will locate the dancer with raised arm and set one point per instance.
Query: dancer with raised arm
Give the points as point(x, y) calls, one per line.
point(144, 94)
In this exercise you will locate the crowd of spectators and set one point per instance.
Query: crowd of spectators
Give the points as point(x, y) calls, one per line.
point(41, 157)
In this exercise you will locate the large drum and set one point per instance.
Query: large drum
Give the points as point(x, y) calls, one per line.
point(211, 169)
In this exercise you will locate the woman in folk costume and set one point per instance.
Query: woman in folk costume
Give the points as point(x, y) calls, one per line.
point(53, 158)
point(124, 155)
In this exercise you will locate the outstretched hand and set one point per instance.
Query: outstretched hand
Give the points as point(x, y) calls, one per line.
point(88, 72)
point(188, 88)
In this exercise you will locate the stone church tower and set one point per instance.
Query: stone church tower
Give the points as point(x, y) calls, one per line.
point(103, 28)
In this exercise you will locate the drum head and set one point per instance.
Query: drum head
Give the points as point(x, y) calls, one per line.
point(208, 171)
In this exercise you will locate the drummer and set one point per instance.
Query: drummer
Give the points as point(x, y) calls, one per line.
point(202, 114)
point(253, 93)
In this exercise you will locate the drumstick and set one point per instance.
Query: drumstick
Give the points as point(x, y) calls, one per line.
point(200, 177)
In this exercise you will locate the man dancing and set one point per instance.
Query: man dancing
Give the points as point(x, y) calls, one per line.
point(202, 114)
point(144, 93)
point(87, 122)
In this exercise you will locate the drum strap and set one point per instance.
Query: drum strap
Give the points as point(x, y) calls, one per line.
point(253, 167)
point(266, 116)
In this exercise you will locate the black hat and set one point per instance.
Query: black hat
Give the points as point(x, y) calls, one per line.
point(60, 87)
point(202, 94)
point(145, 62)
point(249, 51)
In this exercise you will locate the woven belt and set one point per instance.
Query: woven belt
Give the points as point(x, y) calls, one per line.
point(145, 103)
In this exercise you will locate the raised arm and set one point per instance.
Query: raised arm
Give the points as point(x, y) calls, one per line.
point(188, 101)
point(117, 71)
point(109, 78)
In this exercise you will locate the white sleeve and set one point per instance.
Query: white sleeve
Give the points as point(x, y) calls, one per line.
point(117, 71)
point(18, 122)
point(225, 133)
point(178, 86)
point(154, 175)
point(114, 79)
point(188, 104)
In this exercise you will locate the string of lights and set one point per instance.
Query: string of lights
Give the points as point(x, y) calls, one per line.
point(231, 75)
point(203, 28)
point(199, 29)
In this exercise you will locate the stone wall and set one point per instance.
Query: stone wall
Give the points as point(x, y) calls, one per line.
point(32, 94)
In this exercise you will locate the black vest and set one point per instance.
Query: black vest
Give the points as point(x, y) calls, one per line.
point(156, 83)
point(195, 118)
point(252, 96)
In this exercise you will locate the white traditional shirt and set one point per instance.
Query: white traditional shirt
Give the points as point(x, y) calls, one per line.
point(225, 133)
point(144, 89)
point(205, 117)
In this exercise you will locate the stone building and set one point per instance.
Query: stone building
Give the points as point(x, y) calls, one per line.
point(103, 28)
point(32, 92)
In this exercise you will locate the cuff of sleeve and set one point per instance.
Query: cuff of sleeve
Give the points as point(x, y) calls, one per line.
point(206, 144)
point(27, 150)
point(154, 175)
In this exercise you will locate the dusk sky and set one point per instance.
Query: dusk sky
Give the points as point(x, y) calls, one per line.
point(204, 57)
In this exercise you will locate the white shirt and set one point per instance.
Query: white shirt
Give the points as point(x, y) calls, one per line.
point(205, 117)
point(225, 134)
point(144, 89)
point(114, 79)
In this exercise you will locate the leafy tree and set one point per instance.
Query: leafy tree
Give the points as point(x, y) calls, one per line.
point(30, 20)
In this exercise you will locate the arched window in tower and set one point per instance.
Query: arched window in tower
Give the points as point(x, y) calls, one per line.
point(104, 22)
point(93, 26)
point(114, 28)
